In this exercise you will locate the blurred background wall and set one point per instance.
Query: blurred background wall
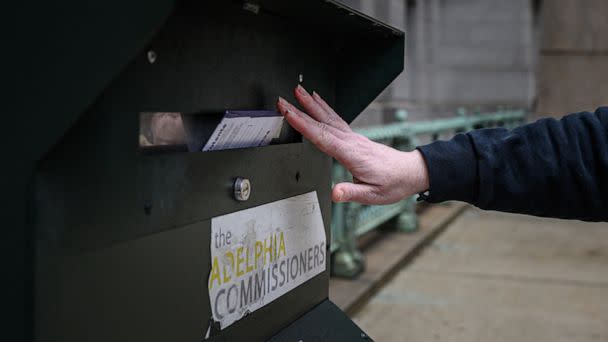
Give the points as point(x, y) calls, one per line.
point(573, 64)
point(546, 56)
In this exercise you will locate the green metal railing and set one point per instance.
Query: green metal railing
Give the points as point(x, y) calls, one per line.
point(351, 220)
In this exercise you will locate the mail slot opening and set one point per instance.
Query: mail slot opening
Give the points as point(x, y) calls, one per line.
point(204, 132)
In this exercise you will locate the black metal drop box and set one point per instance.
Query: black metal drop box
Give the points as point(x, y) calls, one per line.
point(121, 232)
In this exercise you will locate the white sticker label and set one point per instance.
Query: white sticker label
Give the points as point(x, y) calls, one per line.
point(260, 254)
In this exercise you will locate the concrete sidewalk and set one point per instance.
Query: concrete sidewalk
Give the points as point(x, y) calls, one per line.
point(499, 277)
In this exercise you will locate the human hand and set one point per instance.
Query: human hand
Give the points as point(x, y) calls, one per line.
point(381, 174)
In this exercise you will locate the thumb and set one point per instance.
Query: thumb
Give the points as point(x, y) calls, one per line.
point(350, 192)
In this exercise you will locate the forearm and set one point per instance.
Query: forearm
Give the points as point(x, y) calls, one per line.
point(547, 168)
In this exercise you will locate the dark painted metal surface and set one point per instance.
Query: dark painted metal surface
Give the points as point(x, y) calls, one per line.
point(58, 58)
point(122, 235)
point(326, 322)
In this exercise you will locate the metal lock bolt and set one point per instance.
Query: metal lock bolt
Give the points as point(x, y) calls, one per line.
point(242, 189)
point(151, 56)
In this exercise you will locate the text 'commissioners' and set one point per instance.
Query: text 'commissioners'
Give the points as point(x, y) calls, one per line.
point(259, 254)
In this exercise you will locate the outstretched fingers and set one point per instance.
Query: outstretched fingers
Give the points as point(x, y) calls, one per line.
point(316, 107)
point(334, 117)
point(327, 138)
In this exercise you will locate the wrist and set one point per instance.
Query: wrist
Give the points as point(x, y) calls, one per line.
point(418, 175)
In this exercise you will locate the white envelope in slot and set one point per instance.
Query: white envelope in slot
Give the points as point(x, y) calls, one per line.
point(241, 129)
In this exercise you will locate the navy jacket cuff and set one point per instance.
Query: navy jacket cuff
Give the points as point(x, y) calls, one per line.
point(453, 171)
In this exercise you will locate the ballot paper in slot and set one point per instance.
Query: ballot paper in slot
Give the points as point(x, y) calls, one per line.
point(245, 128)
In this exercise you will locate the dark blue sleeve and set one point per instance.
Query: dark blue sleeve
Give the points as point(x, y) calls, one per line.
point(555, 168)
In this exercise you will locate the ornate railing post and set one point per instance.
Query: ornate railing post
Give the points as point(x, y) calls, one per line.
point(347, 260)
point(406, 221)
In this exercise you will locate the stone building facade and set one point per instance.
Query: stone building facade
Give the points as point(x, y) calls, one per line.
point(472, 53)
point(573, 64)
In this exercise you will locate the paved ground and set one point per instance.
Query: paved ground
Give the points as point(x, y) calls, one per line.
point(386, 252)
point(499, 277)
